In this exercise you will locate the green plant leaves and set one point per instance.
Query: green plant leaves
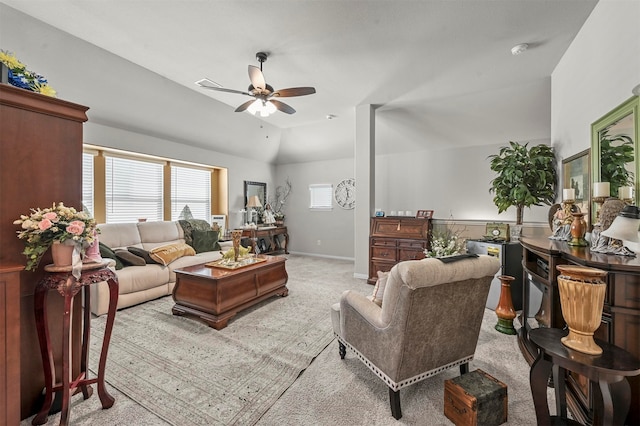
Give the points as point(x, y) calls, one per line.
point(526, 177)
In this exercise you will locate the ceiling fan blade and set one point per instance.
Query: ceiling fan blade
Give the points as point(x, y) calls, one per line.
point(256, 77)
point(245, 105)
point(294, 91)
point(208, 84)
point(282, 106)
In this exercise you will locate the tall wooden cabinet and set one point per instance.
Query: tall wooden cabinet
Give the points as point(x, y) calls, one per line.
point(40, 163)
point(619, 325)
point(395, 239)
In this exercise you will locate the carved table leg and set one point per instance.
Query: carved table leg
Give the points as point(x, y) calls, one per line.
point(538, 378)
point(40, 298)
point(87, 390)
point(105, 398)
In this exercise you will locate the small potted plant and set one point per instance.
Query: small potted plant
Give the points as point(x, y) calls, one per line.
point(53, 227)
point(279, 216)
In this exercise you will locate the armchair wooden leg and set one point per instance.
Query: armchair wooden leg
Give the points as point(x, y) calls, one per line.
point(342, 348)
point(464, 368)
point(394, 400)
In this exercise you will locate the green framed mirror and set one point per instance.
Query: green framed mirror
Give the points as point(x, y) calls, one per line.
point(615, 143)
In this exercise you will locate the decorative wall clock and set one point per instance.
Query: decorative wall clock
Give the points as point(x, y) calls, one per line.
point(345, 193)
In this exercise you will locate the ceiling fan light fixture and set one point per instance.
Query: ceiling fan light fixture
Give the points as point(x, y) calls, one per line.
point(519, 48)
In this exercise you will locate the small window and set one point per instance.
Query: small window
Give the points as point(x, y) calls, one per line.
point(87, 182)
point(320, 196)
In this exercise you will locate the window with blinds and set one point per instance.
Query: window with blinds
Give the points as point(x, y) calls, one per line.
point(320, 196)
point(133, 190)
point(190, 193)
point(87, 183)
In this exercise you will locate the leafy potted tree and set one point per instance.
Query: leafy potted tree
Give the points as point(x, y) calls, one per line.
point(526, 177)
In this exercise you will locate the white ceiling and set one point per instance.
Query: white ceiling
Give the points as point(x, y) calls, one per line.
point(441, 72)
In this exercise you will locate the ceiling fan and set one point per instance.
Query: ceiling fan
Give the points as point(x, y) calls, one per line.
point(263, 94)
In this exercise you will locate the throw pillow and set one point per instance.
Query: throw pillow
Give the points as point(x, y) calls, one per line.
point(107, 253)
point(378, 289)
point(205, 241)
point(190, 225)
point(129, 259)
point(143, 254)
point(170, 252)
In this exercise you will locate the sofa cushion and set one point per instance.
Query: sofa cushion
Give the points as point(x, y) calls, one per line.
point(141, 278)
point(205, 240)
point(143, 254)
point(156, 234)
point(129, 259)
point(168, 253)
point(107, 253)
point(119, 235)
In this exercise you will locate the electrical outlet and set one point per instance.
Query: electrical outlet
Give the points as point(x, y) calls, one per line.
point(319, 242)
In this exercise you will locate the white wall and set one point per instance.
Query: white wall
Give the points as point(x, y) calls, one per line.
point(334, 229)
point(596, 74)
point(452, 182)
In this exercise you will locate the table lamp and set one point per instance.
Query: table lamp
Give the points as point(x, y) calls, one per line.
point(625, 228)
point(254, 202)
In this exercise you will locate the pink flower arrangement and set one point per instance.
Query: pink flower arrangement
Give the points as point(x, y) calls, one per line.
point(43, 227)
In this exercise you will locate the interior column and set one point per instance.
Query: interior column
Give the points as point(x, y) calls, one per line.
point(365, 186)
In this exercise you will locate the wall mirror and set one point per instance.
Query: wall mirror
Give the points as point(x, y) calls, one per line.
point(615, 143)
point(255, 188)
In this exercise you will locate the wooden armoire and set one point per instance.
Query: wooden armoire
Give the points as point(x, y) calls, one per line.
point(40, 164)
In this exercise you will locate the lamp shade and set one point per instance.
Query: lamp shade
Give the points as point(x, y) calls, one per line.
point(625, 226)
point(254, 201)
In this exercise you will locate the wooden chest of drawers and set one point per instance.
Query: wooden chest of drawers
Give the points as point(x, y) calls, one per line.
point(395, 239)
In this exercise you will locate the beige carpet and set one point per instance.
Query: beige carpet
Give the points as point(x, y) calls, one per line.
point(164, 369)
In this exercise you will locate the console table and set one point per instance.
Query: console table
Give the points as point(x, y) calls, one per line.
point(271, 234)
point(620, 322)
point(63, 282)
point(608, 371)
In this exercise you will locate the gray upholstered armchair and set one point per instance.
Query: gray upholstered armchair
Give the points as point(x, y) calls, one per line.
point(429, 321)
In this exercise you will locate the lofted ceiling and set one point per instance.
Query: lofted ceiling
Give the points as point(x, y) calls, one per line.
point(441, 73)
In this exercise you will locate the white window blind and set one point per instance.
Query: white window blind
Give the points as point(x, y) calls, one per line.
point(134, 190)
point(87, 182)
point(190, 193)
point(320, 196)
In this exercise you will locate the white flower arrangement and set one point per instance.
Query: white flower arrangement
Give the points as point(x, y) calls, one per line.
point(446, 242)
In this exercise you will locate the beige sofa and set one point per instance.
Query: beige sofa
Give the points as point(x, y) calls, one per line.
point(139, 284)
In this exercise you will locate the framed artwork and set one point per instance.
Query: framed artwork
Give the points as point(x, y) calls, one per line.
point(576, 174)
point(424, 214)
point(221, 220)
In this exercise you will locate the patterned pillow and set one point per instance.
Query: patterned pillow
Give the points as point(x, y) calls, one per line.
point(190, 225)
point(378, 289)
point(170, 252)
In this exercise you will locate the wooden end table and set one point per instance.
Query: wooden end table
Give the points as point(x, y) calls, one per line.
point(608, 370)
point(215, 295)
point(62, 280)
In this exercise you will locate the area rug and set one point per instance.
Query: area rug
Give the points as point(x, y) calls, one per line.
point(185, 372)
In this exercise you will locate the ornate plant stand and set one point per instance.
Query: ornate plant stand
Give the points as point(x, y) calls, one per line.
point(61, 279)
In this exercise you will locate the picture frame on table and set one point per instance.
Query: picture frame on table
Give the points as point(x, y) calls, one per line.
point(221, 221)
point(576, 174)
point(424, 214)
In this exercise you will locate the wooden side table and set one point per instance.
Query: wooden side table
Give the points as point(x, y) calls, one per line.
point(62, 280)
point(608, 371)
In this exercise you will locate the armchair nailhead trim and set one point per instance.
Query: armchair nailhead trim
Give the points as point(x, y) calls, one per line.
point(397, 386)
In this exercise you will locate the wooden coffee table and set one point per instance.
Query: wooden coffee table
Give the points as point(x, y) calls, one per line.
point(215, 295)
